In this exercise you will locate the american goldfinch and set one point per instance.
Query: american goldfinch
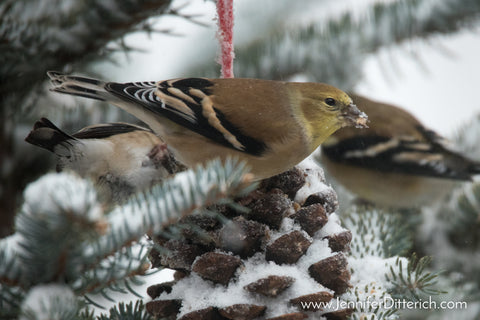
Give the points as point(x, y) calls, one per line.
point(120, 158)
point(272, 125)
point(396, 162)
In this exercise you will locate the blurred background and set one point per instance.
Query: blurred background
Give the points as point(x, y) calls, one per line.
point(421, 55)
point(430, 75)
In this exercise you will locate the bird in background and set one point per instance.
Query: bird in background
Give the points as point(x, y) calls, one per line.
point(272, 125)
point(120, 158)
point(396, 162)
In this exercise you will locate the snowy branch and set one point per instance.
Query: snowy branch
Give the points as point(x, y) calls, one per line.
point(334, 51)
point(37, 36)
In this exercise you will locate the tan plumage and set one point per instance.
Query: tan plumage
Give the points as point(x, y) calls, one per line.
point(396, 162)
point(120, 158)
point(272, 125)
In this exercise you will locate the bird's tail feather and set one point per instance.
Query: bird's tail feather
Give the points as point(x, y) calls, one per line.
point(96, 89)
point(48, 136)
point(78, 86)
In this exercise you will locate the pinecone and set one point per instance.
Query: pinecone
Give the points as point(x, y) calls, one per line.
point(284, 259)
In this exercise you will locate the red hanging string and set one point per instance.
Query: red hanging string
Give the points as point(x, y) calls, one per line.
point(225, 37)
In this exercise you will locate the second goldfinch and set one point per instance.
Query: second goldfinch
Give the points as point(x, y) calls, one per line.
point(120, 158)
point(396, 162)
point(272, 125)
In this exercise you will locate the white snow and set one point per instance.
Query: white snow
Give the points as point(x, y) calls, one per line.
point(140, 213)
point(315, 181)
point(10, 245)
point(9, 250)
point(372, 269)
point(434, 231)
point(49, 301)
point(428, 94)
point(62, 192)
point(366, 297)
point(370, 285)
point(197, 293)
point(369, 241)
point(333, 226)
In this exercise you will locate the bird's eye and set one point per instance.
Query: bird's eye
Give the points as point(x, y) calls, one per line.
point(330, 101)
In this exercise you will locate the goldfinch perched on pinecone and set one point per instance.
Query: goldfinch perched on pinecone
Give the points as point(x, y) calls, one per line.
point(272, 125)
point(396, 162)
point(120, 158)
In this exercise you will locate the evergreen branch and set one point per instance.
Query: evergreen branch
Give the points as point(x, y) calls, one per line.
point(60, 213)
point(87, 314)
point(334, 52)
point(147, 26)
point(54, 228)
point(104, 294)
point(149, 212)
point(53, 39)
point(412, 280)
point(10, 268)
point(50, 301)
point(367, 311)
point(375, 315)
point(378, 233)
point(10, 300)
point(112, 273)
point(189, 17)
point(466, 203)
point(93, 303)
point(131, 289)
point(457, 232)
point(127, 312)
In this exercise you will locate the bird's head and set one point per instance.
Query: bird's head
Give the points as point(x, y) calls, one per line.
point(337, 102)
point(327, 109)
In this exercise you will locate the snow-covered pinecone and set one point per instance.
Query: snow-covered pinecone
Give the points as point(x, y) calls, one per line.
point(283, 259)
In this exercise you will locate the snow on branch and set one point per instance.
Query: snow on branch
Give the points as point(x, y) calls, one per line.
point(64, 236)
point(333, 50)
point(186, 192)
point(147, 213)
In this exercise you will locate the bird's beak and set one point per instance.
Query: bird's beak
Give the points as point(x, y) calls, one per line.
point(354, 117)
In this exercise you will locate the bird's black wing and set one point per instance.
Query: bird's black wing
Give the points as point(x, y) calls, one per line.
point(404, 155)
point(102, 131)
point(187, 102)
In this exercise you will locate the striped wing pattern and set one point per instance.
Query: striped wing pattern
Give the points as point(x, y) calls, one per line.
point(405, 155)
point(187, 102)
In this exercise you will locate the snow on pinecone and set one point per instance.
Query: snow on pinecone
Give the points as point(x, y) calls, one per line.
point(283, 259)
